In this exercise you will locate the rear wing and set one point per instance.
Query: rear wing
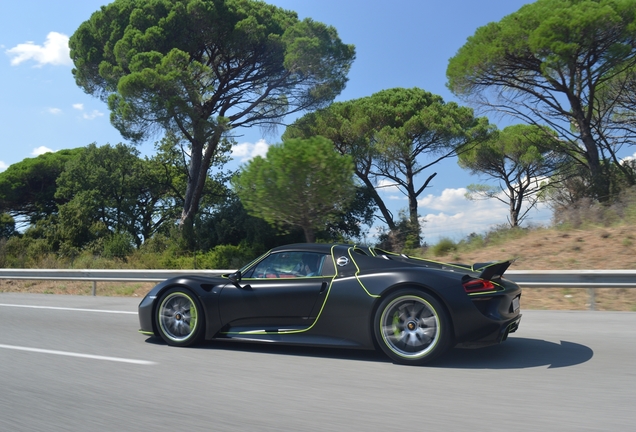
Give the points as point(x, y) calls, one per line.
point(494, 270)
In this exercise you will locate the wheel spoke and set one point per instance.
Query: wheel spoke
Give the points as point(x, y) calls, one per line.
point(410, 326)
point(177, 317)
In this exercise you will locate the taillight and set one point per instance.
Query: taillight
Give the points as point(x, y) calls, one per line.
point(478, 285)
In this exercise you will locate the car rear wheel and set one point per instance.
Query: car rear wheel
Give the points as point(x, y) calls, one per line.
point(180, 319)
point(412, 327)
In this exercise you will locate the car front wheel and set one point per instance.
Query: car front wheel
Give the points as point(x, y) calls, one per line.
point(412, 327)
point(180, 318)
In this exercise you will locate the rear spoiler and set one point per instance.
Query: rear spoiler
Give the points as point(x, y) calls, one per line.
point(493, 270)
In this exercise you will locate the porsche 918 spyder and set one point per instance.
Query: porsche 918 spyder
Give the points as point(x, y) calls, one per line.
point(339, 295)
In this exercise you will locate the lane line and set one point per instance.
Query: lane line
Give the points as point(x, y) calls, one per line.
point(68, 309)
point(72, 354)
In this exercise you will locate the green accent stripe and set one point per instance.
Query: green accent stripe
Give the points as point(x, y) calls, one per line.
point(356, 275)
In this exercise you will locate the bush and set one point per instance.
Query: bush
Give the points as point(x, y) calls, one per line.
point(443, 247)
point(118, 245)
point(225, 257)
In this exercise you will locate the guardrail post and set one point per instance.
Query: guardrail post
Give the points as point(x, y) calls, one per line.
point(94, 288)
point(592, 292)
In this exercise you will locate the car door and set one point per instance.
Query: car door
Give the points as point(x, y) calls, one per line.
point(278, 293)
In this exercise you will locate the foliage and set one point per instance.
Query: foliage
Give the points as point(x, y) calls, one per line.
point(521, 158)
point(229, 223)
point(118, 245)
point(7, 225)
point(23, 252)
point(351, 130)
point(200, 68)
point(110, 189)
point(228, 257)
point(301, 183)
point(443, 247)
point(27, 188)
point(356, 215)
point(551, 63)
point(403, 238)
point(389, 133)
point(586, 213)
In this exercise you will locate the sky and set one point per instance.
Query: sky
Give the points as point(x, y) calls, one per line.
point(407, 44)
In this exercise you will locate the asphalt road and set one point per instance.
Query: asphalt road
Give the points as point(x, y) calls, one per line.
point(78, 364)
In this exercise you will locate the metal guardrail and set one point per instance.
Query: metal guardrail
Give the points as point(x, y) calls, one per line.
point(573, 278)
point(590, 279)
point(95, 276)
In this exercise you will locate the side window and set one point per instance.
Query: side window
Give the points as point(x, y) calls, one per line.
point(288, 265)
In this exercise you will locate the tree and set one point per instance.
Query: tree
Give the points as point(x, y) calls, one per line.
point(7, 226)
point(548, 63)
point(27, 188)
point(351, 131)
point(521, 158)
point(110, 189)
point(302, 183)
point(416, 124)
point(396, 135)
point(200, 68)
point(230, 224)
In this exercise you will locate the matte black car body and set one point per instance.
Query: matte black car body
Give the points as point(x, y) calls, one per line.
point(360, 298)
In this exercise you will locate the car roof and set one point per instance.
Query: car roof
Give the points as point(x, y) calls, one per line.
point(309, 247)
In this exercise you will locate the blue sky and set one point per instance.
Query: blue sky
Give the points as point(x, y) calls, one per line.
point(406, 44)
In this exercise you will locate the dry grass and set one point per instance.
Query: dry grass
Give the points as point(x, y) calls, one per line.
point(108, 289)
point(541, 249)
point(602, 248)
point(550, 249)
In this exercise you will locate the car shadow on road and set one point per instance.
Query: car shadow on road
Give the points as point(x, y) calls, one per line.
point(515, 353)
point(291, 350)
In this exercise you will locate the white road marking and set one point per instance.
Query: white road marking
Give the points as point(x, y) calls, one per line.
point(68, 309)
point(72, 354)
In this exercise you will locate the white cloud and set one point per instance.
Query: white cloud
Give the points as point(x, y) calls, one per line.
point(54, 111)
point(450, 200)
point(87, 116)
point(41, 150)
point(456, 217)
point(629, 158)
point(387, 185)
point(54, 51)
point(93, 115)
point(248, 151)
point(3, 166)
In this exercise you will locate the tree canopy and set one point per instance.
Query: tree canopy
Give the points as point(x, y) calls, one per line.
point(522, 158)
point(394, 136)
point(302, 183)
point(200, 68)
point(111, 186)
point(550, 63)
point(27, 188)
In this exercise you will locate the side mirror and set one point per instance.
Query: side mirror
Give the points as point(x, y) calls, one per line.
point(235, 277)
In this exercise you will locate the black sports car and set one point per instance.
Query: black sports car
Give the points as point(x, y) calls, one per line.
point(340, 296)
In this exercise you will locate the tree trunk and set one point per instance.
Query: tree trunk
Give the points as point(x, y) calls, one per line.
point(310, 235)
point(200, 161)
point(386, 213)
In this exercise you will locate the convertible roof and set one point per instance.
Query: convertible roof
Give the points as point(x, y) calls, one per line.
point(308, 247)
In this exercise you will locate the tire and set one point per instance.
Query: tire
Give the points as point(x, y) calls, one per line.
point(412, 327)
point(179, 317)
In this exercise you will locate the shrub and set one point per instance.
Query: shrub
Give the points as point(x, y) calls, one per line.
point(443, 247)
point(118, 245)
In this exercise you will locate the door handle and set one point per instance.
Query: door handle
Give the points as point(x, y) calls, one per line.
point(323, 287)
